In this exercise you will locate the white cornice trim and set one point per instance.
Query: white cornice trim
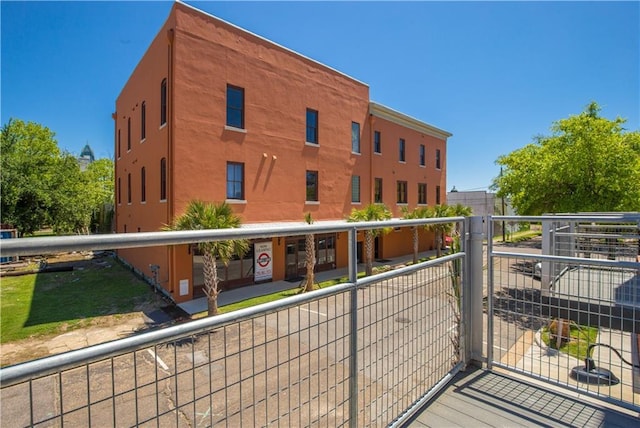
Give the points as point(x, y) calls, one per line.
point(394, 116)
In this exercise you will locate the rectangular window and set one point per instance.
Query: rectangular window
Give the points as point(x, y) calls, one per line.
point(437, 158)
point(377, 195)
point(235, 107)
point(402, 192)
point(312, 126)
point(129, 188)
point(143, 121)
point(437, 195)
point(401, 147)
point(235, 180)
point(129, 134)
point(143, 185)
point(119, 191)
point(119, 143)
point(377, 145)
point(355, 188)
point(163, 179)
point(355, 137)
point(422, 193)
point(422, 155)
point(163, 102)
point(312, 186)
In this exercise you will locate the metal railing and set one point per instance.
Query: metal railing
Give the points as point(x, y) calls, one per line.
point(366, 352)
point(567, 312)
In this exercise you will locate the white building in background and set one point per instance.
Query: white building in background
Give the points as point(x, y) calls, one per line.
point(482, 203)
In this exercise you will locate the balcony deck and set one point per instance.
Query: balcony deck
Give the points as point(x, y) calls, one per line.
point(482, 398)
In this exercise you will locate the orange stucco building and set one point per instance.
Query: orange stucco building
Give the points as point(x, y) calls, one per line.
point(217, 113)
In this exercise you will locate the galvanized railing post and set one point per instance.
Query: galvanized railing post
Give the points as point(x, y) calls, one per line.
point(474, 283)
point(353, 328)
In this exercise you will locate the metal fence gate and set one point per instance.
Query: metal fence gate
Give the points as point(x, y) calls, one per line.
point(565, 306)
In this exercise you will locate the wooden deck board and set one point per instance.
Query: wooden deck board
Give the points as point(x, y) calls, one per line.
point(481, 398)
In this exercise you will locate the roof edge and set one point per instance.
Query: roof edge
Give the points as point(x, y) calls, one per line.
point(395, 116)
point(195, 9)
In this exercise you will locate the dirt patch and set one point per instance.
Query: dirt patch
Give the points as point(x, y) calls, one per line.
point(97, 330)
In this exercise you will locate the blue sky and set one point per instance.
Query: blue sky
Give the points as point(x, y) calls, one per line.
point(494, 74)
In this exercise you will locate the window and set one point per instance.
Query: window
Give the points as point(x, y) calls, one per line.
point(355, 137)
point(355, 188)
point(163, 102)
point(129, 134)
point(422, 156)
point(129, 188)
point(312, 126)
point(402, 192)
point(163, 179)
point(437, 158)
point(422, 193)
point(437, 195)
point(143, 185)
point(143, 121)
point(119, 191)
point(401, 145)
point(377, 195)
point(377, 148)
point(235, 180)
point(235, 107)
point(118, 143)
point(312, 186)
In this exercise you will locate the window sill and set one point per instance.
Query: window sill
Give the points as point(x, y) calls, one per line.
point(143, 140)
point(162, 201)
point(403, 204)
point(423, 166)
point(162, 126)
point(236, 201)
point(422, 205)
point(356, 153)
point(377, 153)
point(143, 202)
point(402, 162)
point(312, 202)
point(234, 129)
point(307, 143)
point(356, 203)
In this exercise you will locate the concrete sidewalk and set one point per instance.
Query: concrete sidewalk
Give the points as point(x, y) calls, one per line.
point(243, 293)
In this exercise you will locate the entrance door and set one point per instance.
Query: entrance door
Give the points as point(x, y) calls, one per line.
point(291, 271)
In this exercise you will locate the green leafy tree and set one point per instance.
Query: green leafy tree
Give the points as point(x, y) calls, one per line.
point(201, 215)
point(588, 164)
point(372, 212)
point(309, 256)
point(100, 180)
point(30, 158)
point(459, 210)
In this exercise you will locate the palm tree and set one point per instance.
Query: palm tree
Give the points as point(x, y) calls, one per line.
point(439, 229)
point(309, 256)
point(459, 210)
point(372, 212)
point(201, 215)
point(419, 212)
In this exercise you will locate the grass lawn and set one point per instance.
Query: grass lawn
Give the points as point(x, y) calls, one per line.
point(52, 303)
point(580, 338)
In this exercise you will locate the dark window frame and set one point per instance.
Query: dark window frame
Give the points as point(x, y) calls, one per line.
point(401, 192)
point(163, 179)
point(438, 161)
point(143, 184)
point(163, 102)
point(355, 137)
point(402, 148)
point(143, 121)
point(377, 142)
point(129, 188)
point(235, 183)
point(312, 120)
point(234, 108)
point(356, 196)
point(312, 186)
point(422, 193)
point(119, 143)
point(437, 195)
point(129, 134)
point(377, 190)
point(422, 155)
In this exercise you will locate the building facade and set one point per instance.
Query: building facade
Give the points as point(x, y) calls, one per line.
point(216, 113)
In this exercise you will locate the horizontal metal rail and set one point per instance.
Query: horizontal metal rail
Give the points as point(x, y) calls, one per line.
point(570, 260)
